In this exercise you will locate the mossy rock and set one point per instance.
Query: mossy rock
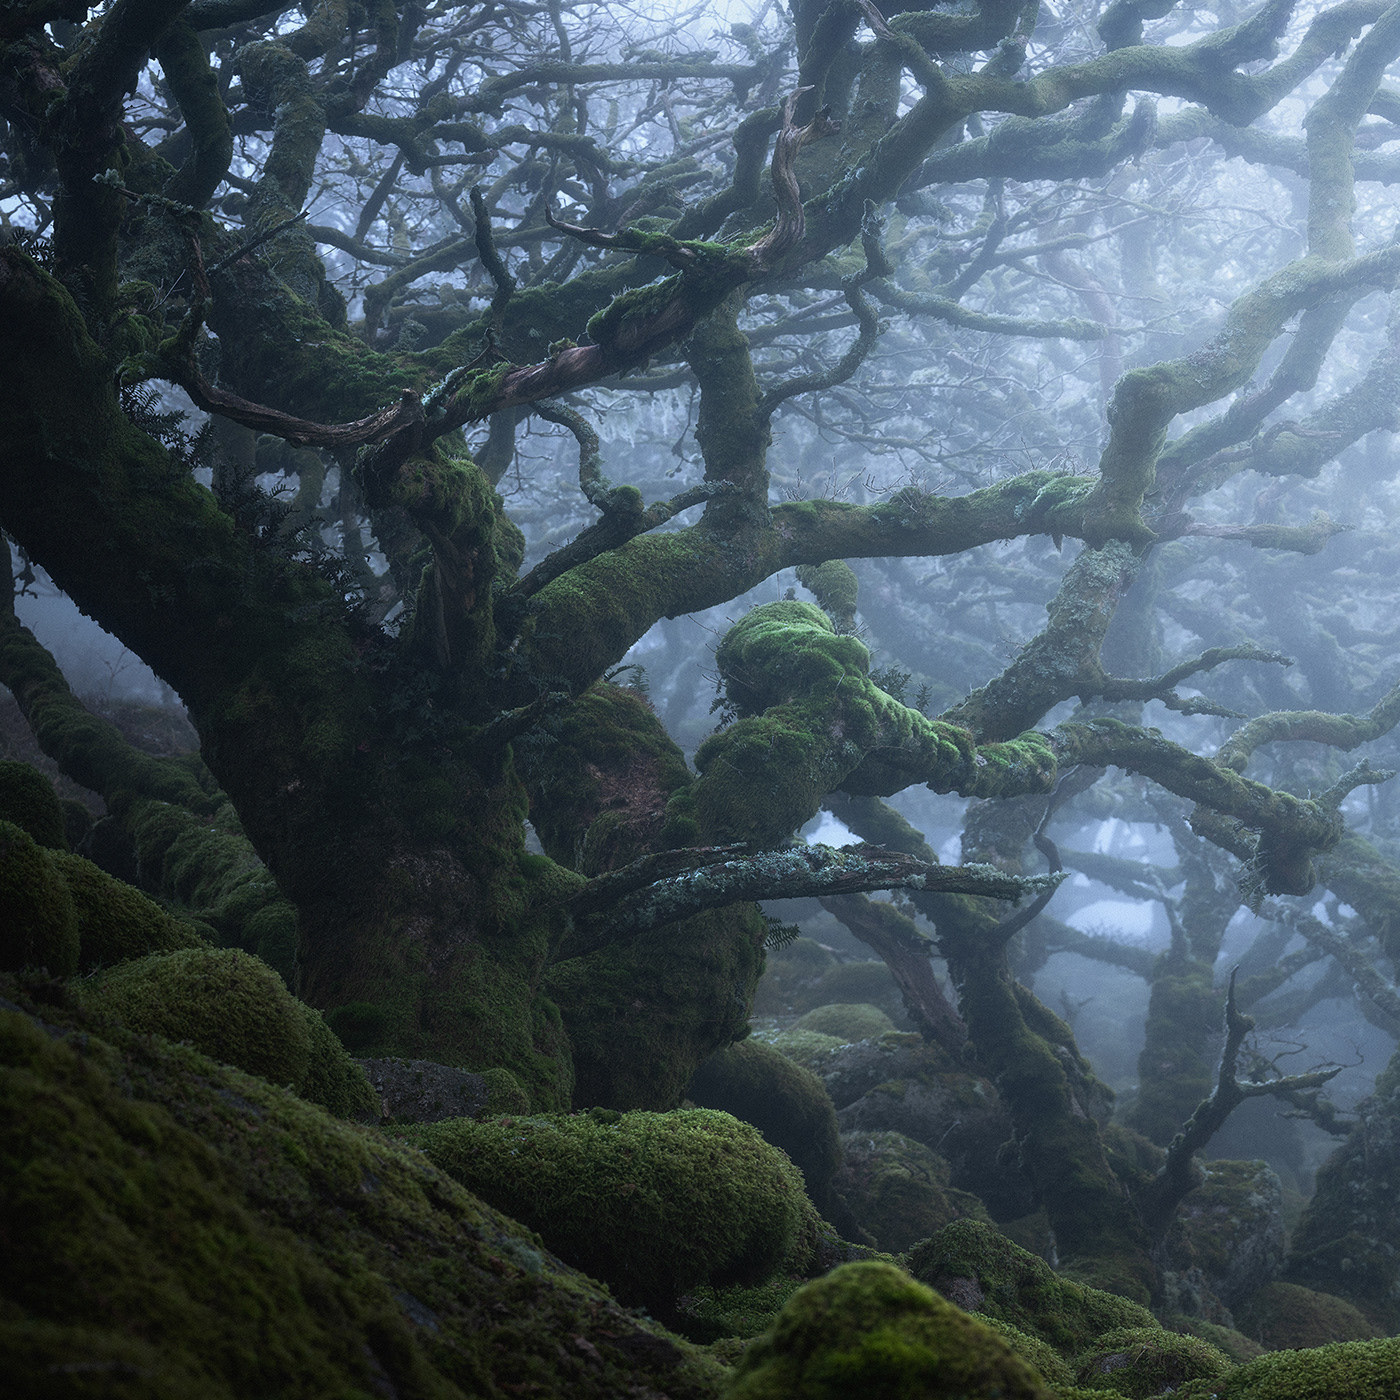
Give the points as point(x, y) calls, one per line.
point(785, 1102)
point(982, 1271)
point(174, 1227)
point(869, 1330)
point(1285, 1316)
point(233, 1008)
point(1051, 1365)
point(1145, 1361)
point(1341, 1371)
point(652, 1203)
point(851, 1021)
point(1230, 1228)
point(806, 1048)
point(40, 924)
point(116, 922)
point(27, 798)
point(1233, 1344)
point(897, 1190)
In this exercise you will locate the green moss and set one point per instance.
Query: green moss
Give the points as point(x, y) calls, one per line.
point(809, 1049)
point(271, 933)
point(115, 921)
point(1177, 1062)
point(1145, 1361)
point(332, 1079)
point(27, 798)
point(983, 1271)
point(851, 1022)
point(836, 589)
point(503, 1094)
point(40, 926)
point(226, 1003)
point(177, 1228)
point(786, 1103)
point(1281, 1316)
point(897, 1189)
point(1040, 1354)
point(707, 1314)
point(867, 1329)
point(1345, 1371)
point(652, 1203)
point(1232, 1344)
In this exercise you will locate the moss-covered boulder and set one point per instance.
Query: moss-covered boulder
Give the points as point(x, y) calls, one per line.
point(900, 1084)
point(850, 1021)
point(233, 1008)
point(982, 1271)
point(897, 1190)
point(809, 1049)
point(652, 1203)
point(175, 1228)
point(1230, 1342)
point(869, 1330)
point(791, 977)
point(27, 798)
point(1284, 1316)
point(785, 1102)
point(1230, 1230)
point(1343, 1371)
point(116, 922)
point(1144, 1361)
point(39, 927)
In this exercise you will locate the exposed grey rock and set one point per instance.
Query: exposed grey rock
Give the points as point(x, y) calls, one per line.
point(422, 1091)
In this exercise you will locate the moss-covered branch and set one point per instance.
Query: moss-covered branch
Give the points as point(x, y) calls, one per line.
point(794, 873)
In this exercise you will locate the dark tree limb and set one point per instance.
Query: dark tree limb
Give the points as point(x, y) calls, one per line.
point(1180, 1174)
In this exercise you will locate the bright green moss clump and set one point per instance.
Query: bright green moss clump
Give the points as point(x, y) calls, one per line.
point(1145, 1361)
point(1344, 1371)
point(851, 1022)
point(869, 1330)
point(40, 925)
point(982, 1271)
point(652, 1203)
point(27, 798)
point(234, 1008)
point(175, 1228)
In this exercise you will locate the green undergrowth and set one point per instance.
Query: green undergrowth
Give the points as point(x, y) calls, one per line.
point(849, 1022)
point(652, 1203)
point(1284, 1316)
point(178, 1228)
point(1144, 1361)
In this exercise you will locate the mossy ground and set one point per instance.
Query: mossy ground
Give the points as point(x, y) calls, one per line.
point(178, 1228)
point(1143, 1361)
point(1283, 1316)
point(1344, 1371)
point(851, 1021)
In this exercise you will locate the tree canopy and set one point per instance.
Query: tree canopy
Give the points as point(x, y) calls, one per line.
point(1045, 350)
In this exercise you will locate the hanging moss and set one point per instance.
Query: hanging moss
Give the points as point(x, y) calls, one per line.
point(40, 925)
point(1145, 1361)
point(652, 1203)
point(177, 1228)
point(982, 1271)
point(27, 798)
point(868, 1329)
